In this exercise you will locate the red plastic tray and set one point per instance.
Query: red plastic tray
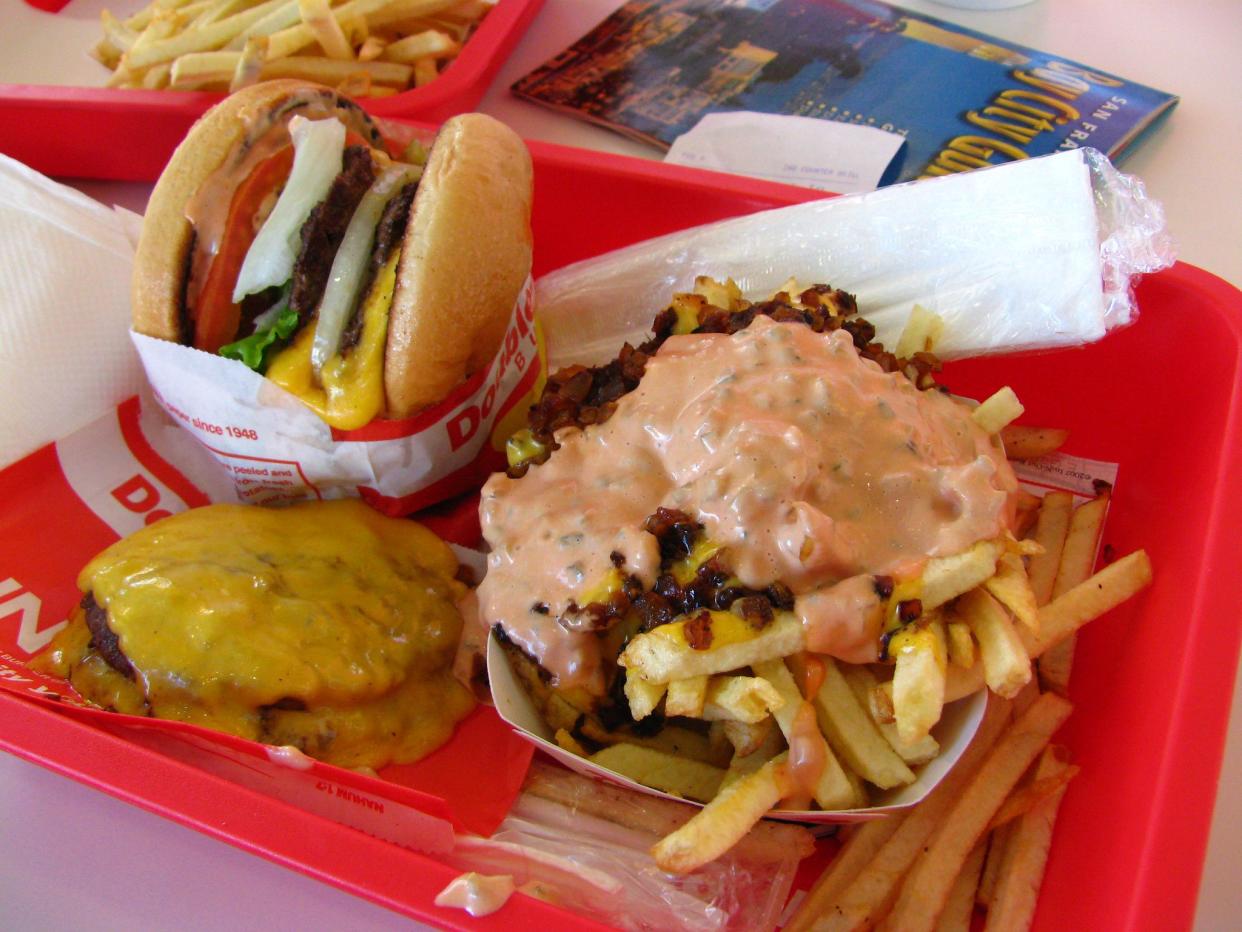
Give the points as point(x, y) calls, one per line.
point(90, 132)
point(1152, 680)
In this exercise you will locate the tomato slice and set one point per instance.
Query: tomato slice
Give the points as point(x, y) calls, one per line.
point(216, 318)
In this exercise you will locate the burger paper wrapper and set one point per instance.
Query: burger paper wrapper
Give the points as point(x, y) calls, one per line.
point(274, 449)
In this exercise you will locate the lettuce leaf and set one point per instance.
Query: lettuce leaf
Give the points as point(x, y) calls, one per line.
point(257, 349)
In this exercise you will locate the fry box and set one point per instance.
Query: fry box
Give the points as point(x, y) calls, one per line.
point(276, 450)
point(954, 731)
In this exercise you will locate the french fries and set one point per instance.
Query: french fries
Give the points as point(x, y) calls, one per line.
point(926, 890)
point(360, 47)
point(1028, 443)
point(719, 653)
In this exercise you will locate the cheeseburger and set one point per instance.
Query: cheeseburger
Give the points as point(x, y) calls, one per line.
point(324, 626)
point(288, 233)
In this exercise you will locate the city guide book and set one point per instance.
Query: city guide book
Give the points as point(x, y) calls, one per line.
point(959, 98)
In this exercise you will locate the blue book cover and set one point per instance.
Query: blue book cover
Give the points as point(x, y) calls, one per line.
point(959, 98)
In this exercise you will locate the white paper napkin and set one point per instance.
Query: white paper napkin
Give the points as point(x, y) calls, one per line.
point(842, 157)
point(65, 352)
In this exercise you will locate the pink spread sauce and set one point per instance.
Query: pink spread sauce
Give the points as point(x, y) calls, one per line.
point(810, 465)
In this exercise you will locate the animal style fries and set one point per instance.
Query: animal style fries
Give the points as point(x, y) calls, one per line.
point(707, 650)
point(365, 48)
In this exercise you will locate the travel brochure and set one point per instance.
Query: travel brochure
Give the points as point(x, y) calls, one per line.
point(960, 99)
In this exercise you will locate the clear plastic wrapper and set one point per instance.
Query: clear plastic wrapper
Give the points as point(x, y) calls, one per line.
point(1025, 256)
point(585, 845)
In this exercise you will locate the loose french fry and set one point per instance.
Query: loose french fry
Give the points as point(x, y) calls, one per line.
point(1028, 443)
point(215, 10)
point(664, 654)
point(1026, 511)
point(1050, 529)
point(1006, 664)
point(864, 842)
point(997, 841)
point(998, 410)
point(431, 43)
point(746, 737)
point(921, 333)
point(200, 69)
point(671, 739)
point(279, 18)
point(156, 76)
point(1064, 615)
point(880, 703)
point(691, 779)
point(317, 15)
point(290, 40)
point(1013, 904)
point(209, 37)
point(960, 907)
point(1012, 588)
point(768, 747)
point(961, 644)
point(926, 889)
point(372, 47)
point(853, 736)
point(327, 71)
point(686, 697)
point(1082, 541)
point(643, 696)
point(722, 822)
point(402, 10)
point(571, 744)
point(863, 683)
point(868, 897)
point(798, 723)
point(918, 679)
point(946, 578)
point(249, 63)
point(767, 842)
point(425, 71)
point(1034, 793)
point(740, 698)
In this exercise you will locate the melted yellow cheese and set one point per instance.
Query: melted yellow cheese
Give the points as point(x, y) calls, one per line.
point(352, 390)
point(326, 626)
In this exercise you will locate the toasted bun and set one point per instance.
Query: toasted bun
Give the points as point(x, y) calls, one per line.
point(467, 254)
point(161, 263)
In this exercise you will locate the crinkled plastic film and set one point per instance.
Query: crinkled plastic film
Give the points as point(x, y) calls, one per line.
point(1133, 237)
point(587, 847)
point(1031, 255)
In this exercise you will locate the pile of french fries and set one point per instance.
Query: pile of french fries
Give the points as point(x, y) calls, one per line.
point(985, 616)
point(980, 839)
point(363, 48)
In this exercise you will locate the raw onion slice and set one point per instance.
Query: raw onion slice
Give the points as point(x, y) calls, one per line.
point(350, 263)
point(318, 153)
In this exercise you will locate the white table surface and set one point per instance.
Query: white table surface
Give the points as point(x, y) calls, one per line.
point(74, 857)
